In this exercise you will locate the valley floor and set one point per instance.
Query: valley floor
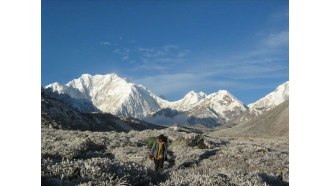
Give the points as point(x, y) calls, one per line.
point(112, 158)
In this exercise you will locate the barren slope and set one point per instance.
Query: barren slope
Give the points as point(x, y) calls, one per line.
point(274, 122)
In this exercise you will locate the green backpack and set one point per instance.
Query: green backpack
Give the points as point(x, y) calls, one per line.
point(151, 140)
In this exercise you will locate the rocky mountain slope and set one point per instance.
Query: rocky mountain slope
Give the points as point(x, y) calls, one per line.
point(274, 122)
point(113, 94)
point(272, 99)
point(103, 149)
point(212, 110)
point(58, 113)
point(188, 101)
point(82, 105)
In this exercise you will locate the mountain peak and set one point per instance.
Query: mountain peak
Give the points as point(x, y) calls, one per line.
point(283, 87)
point(88, 80)
point(53, 84)
point(223, 92)
point(188, 101)
point(202, 94)
point(85, 75)
point(193, 95)
point(100, 76)
point(113, 75)
point(220, 94)
point(279, 95)
point(192, 92)
point(113, 94)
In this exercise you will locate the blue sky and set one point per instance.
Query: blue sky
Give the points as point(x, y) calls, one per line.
point(171, 47)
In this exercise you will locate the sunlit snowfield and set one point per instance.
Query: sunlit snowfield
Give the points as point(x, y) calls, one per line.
point(112, 158)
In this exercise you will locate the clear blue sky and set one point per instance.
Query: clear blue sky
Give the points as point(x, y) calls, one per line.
point(171, 47)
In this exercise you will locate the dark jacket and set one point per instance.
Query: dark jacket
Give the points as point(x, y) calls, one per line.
point(154, 150)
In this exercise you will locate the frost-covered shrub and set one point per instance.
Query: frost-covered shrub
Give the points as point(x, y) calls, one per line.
point(75, 148)
point(95, 170)
point(195, 140)
point(111, 158)
point(196, 176)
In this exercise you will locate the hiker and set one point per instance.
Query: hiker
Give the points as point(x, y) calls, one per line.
point(158, 152)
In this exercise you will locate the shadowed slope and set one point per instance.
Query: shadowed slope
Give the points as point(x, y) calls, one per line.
point(56, 113)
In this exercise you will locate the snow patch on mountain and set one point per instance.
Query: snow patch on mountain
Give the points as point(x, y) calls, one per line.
point(63, 89)
point(188, 101)
point(208, 110)
point(272, 99)
point(113, 94)
point(220, 105)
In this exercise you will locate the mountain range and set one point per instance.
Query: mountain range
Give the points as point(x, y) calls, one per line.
point(60, 111)
point(113, 94)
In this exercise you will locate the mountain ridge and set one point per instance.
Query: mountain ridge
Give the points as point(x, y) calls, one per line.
point(274, 98)
point(274, 122)
point(58, 113)
point(112, 94)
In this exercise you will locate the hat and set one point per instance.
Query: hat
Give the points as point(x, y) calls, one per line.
point(162, 137)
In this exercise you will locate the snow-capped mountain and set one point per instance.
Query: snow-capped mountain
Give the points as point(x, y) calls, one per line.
point(58, 112)
point(221, 105)
point(212, 110)
point(222, 102)
point(113, 94)
point(271, 100)
point(82, 105)
point(188, 101)
point(220, 108)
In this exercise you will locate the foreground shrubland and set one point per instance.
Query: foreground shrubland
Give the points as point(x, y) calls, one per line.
point(112, 158)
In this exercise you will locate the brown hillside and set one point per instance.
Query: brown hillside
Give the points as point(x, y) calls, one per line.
point(274, 122)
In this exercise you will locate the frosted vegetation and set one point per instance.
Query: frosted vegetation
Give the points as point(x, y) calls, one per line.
point(118, 158)
point(197, 156)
